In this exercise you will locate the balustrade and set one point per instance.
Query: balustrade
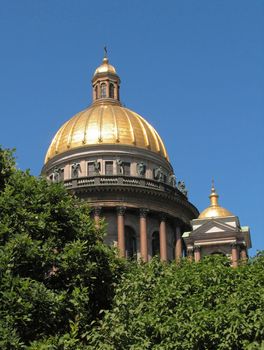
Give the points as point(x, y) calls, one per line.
point(116, 180)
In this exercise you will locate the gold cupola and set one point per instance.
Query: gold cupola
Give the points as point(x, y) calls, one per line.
point(106, 121)
point(105, 83)
point(214, 210)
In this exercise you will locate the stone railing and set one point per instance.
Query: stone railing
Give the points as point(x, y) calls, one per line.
point(119, 180)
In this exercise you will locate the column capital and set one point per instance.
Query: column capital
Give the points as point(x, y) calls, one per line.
point(97, 211)
point(163, 217)
point(178, 231)
point(197, 248)
point(190, 253)
point(143, 212)
point(121, 210)
point(177, 222)
point(190, 250)
point(243, 245)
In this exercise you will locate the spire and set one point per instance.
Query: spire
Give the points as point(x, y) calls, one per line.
point(213, 196)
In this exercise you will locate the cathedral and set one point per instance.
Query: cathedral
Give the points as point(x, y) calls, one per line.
point(111, 157)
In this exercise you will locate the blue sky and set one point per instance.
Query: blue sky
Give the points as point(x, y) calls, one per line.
point(193, 69)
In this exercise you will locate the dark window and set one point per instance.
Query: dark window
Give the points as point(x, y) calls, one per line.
point(103, 90)
point(111, 91)
point(91, 169)
point(126, 167)
point(109, 168)
point(155, 243)
point(96, 92)
point(131, 243)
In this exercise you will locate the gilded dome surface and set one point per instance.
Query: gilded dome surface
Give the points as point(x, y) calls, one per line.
point(106, 123)
point(105, 67)
point(214, 210)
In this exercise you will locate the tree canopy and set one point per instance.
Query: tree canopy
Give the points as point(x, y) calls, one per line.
point(205, 305)
point(62, 288)
point(55, 272)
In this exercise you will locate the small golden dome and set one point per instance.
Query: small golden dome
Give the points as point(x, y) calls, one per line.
point(105, 67)
point(106, 123)
point(214, 210)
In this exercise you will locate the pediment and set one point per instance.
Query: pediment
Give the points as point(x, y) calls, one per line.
point(212, 227)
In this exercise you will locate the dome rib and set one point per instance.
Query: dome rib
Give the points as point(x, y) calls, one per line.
point(131, 128)
point(115, 124)
point(71, 133)
point(160, 142)
point(100, 118)
point(143, 130)
point(155, 137)
point(85, 127)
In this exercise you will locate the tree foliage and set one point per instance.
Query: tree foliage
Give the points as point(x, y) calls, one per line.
point(55, 272)
point(61, 288)
point(206, 305)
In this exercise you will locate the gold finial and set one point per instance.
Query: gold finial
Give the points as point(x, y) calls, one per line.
point(213, 196)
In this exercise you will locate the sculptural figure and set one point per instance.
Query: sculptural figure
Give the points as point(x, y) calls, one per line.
point(172, 180)
point(120, 165)
point(182, 188)
point(97, 167)
point(158, 174)
point(56, 174)
point(141, 169)
point(75, 170)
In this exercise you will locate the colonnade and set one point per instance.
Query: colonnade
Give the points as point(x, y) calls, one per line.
point(238, 252)
point(143, 214)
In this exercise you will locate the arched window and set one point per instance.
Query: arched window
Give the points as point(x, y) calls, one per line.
point(131, 243)
point(103, 90)
point(155, 243)
point(111, 91)
point(96, 92)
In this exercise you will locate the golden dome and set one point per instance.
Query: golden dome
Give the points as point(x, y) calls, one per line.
point(103, 124)
point(214, 210)
point(105, 67)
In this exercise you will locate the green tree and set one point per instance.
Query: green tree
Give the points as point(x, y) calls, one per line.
point(206, 305)
point(55, 272)
point(7, 166)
